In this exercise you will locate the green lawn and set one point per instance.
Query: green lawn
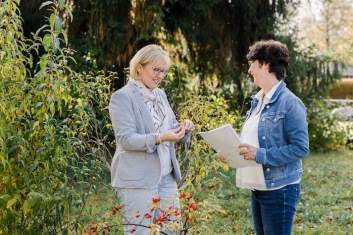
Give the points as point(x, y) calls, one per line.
point(325, 205)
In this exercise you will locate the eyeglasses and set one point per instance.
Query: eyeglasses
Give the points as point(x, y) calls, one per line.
point(157, 71)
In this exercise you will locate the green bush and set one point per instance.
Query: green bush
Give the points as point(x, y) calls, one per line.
point(50, 137)
point(325, 132)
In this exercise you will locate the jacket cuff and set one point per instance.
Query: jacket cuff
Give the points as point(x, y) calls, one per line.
point(186, 137)
point(261, 156)
point(151, 142)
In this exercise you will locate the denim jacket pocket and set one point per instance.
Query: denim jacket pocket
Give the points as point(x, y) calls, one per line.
point(275, 126)
point(274, 173)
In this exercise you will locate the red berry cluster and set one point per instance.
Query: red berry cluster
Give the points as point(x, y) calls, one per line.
point(115, 209)
point(191, 205)
point(183, 195)
point(156, 200)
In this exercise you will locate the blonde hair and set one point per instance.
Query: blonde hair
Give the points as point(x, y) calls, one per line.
point(146, 55)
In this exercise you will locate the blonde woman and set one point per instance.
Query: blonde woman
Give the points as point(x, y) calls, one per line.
point(144, 164)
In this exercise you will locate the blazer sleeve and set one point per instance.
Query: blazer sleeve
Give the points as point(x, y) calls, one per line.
point(125, 126)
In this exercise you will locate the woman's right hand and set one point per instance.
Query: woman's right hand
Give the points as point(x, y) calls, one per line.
point(173, 135)
point(220, 157)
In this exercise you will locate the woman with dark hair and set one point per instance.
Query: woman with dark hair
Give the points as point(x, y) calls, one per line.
point(275, 135)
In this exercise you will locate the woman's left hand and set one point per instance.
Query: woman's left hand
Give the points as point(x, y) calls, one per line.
point(189, 126)
point(248, 151)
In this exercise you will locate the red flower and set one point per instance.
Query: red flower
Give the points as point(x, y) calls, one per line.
point(85, 230)
point(148, 215)
point(114, 211)
point(92, 221)
point(90, 233)
point(121, 207)
point(103, 232)
point(162, 210)
point(190, 196)
point(157, 199)
point(137, 216)
point(133, 230)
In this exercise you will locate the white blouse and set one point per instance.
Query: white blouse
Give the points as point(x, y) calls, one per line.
point(253, 177)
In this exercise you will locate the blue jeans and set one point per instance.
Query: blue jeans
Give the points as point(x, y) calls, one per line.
point(139, 201)
point(273, 211)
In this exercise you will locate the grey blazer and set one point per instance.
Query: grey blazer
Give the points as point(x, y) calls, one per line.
point(136, 162)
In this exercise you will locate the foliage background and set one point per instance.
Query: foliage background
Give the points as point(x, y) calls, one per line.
point(56, 141)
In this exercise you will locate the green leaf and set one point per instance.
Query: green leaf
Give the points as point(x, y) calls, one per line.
point(11, 202)
point(25, 207)
point(52, 108)
point(5, 196)
point(62, 3)
point(40, 29)
point(45, 4)
point(58, 25)
point(65, 35)
point(11, 149)
point(38, 104)
point(68, 9)
point(33, 166)
point(52, 19)
point(35, 124)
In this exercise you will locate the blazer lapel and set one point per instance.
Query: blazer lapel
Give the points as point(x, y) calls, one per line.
point(143, 109)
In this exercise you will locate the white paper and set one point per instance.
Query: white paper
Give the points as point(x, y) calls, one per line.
point(225, 141)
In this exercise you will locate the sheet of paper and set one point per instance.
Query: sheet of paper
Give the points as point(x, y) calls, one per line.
point(225, 141)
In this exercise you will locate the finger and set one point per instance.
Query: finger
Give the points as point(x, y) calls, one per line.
point(243, 145)
point(178, 129)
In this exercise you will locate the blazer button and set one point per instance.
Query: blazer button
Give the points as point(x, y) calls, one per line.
point(267, 106)
point(263, 119)
point(268, 169)
point(272, 184)
point(263, 137)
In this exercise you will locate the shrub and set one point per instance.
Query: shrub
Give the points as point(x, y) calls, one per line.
point(46, 124)
point(325, 132)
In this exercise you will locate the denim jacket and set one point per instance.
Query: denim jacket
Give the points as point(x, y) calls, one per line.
point(283, 137)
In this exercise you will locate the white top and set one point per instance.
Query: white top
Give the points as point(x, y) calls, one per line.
point(253, 177)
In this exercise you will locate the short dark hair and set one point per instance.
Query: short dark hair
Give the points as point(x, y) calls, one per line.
point(273, 52)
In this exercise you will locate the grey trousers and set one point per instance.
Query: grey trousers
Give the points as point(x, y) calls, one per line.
point(137, 202)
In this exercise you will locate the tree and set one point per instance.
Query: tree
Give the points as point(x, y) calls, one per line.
point(329, 29)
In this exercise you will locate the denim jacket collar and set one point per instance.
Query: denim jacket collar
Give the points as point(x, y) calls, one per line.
point(273, 99)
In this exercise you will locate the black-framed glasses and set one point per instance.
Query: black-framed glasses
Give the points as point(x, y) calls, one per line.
point(157, 71)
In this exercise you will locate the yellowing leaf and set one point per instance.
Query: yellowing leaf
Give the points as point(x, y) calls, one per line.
point(11, 202)
point(225, 167)
point(25, 207)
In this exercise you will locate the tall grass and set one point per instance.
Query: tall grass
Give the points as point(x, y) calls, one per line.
point(342, 90)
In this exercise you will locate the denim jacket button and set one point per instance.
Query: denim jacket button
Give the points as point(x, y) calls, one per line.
point(268, 169)
point(263, 119)
point(263, 137)
point(272, 184)
point(267, 106)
